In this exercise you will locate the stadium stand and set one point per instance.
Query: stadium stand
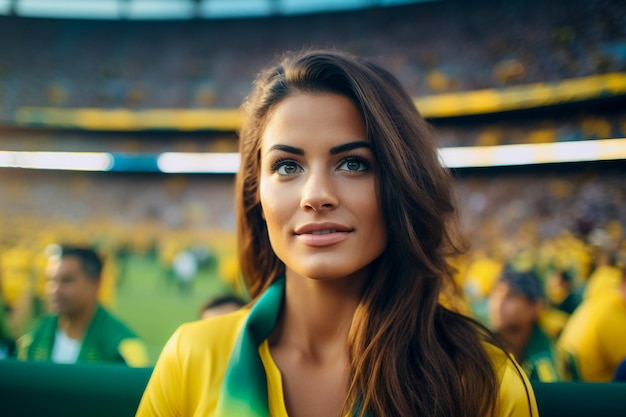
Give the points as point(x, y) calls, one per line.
point(452, 45)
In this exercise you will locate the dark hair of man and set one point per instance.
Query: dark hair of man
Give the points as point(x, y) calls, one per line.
point(526, 283)
point(90, 262)
point(221, 300)
point(409, 355)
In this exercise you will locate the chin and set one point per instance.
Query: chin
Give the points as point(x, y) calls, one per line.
point(330, 273)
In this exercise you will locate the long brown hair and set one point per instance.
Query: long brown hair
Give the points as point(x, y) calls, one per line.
point(409, 355)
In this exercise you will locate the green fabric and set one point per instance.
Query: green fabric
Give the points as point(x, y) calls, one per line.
point(541, 361)
point(244, 389)
point(100, 344)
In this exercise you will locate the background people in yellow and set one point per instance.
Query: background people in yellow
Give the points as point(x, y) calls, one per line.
point(596, 333)
point(79, 328)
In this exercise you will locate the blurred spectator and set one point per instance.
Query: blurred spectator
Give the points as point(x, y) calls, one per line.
point(80, 329)
point(595, 334)
point(221, 305)
point(514, 308)
point(606, 276)
point(185, 268)
point(560, 291)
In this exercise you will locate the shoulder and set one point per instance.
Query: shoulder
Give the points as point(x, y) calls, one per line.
point(516, 396)
point(117, 340)
point(191, 366)
point(105, 317)
point(46, 321)
point(594, 311)
point(44, 325)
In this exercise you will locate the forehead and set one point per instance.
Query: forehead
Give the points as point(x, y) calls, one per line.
point(69, 265)
point(307, 118)
point(510, 291)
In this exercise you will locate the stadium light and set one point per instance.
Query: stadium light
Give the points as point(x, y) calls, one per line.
point(531, 154)
point(67, 161)
point(228, 162)
point(189, 162)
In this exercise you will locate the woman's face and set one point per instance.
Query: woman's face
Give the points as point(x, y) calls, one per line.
point(318, 188)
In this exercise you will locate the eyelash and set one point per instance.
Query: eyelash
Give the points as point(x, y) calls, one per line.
point(280, 162)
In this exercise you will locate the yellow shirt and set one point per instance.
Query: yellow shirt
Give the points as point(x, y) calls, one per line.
point(605, 279)
point(595, 335)
point(187, 377)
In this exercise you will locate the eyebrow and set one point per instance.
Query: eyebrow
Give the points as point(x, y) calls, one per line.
point(333, 151)
point(348, 147)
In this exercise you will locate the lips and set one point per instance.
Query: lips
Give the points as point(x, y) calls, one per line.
point(322, 234)
point(322, 229)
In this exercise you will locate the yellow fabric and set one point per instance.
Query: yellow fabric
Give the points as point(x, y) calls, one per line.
point(189, 372)
point(552, 321)
point(482, 275)
point(605, 279)
point(134, 353)
point(595, 335)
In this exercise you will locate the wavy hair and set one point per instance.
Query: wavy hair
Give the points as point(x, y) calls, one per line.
point(408, 354)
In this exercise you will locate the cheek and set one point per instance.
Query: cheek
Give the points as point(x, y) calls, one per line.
point(516, 311)
point(362, 198)
point(495, 306)
point(272, 207)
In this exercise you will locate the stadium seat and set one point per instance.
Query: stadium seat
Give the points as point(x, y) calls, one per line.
point(35, 389)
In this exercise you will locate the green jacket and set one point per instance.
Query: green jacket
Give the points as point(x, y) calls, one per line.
point(543, 362)
point(107, 339)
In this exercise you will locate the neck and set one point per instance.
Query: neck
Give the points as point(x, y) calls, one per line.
point(316, 316)
point(75, 325)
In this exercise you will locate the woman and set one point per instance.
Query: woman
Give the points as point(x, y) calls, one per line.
point(346, 224)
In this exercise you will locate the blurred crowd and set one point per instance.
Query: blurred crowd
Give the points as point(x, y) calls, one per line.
point(433, 47)
point(548, 223)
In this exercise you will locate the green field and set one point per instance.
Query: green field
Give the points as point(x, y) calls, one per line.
point(152, 304)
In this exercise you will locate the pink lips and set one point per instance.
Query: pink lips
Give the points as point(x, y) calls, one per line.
point(322, 234)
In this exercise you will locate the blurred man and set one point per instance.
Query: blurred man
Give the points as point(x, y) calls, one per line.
point(596, 333)
point(515, 305)
point(80, 330)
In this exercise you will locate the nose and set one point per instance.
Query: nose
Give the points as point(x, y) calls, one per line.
point(319, 191)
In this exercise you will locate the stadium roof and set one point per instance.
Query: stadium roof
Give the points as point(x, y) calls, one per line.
point(182, 9)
